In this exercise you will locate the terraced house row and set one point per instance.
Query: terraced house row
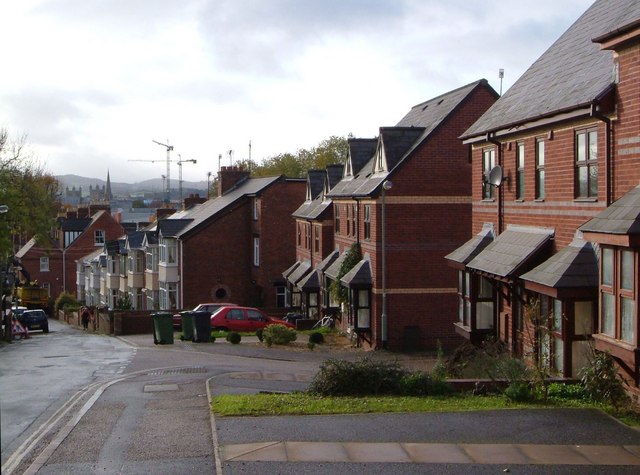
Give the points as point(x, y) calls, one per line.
point(472, 217)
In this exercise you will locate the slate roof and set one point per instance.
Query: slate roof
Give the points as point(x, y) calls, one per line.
point(570, 75)
point(511, 250)
point(112, 247)
point(472, 247)
point(75, 224)
point(311, 281)
point(288, 272)
point(359, 275)
point(171, 227)
point(574, 266)
point(334, 269)
point(211, 208)
point(135, 238)
point(334, 174)
point(621, 217)
point(400, 141)
point(315, 187)
point(327, 261)
point(299, 272)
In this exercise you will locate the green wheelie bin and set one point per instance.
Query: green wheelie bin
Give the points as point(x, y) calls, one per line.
point(187, 325)
point(162, 328)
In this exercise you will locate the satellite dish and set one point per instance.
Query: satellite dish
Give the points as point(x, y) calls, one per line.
point(495, 176)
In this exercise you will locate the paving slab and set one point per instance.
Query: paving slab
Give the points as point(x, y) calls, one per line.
point(316, 452)
point(436, 453)
point(553, 454)
point(608, 455)
point(495, 453)
point(376, 452)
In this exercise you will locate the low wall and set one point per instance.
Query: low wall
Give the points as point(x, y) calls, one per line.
point(132, 322)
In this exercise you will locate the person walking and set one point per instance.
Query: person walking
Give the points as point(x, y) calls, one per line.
point(85, 315)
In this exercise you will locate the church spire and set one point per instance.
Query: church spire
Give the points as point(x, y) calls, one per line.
point(108, 196)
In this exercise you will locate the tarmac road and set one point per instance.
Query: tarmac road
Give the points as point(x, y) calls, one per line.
point(153, 417)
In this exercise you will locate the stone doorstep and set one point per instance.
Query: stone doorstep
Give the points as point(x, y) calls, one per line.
point(515, 454)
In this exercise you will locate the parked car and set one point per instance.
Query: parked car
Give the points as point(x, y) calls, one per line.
point(206, 307)
point(34, 320)
point(16, 311)
point(243, 319)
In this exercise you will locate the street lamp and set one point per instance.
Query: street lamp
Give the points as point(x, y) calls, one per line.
point(387, 185)
point(208, 184)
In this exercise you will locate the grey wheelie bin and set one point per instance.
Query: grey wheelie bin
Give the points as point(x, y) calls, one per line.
point(201, 326)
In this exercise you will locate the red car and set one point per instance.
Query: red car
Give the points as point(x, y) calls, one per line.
point(206, 307)
point(243, 319)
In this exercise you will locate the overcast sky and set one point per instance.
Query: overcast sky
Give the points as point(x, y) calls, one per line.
point(92, 83)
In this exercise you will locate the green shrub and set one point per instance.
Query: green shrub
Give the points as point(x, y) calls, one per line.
point(65, 300)
point(279, 335)
point(260, 334)
point(601, 381)
point(234, 338)
point(519, 391)
point(316, 337)
point(566, 391)
point(421, 383)
point(363, 377)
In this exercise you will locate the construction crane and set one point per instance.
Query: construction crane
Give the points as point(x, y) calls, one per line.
point(166, 179)
point(169, 150)
point(180, 162)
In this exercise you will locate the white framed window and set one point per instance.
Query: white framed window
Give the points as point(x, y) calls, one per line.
point(256, 251)
point(44, 264)
point(98, 237)
point(168, 251)
point(255, 206)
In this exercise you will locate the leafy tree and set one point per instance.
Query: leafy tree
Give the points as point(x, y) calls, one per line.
point(296, 165)
point(31, 194)
point(338, 291)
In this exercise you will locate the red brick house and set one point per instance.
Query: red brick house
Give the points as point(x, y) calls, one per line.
point(79, 233)
point(401, 294)
point(314, 243)
point(555, 152)
point(230, 248)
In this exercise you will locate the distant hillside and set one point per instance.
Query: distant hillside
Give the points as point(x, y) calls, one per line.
point(125, 189)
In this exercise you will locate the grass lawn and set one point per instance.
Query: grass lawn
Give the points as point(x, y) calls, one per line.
point(306, 404)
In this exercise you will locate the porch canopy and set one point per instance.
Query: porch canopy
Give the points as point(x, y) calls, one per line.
point(359, 275)
point(474, 246)
point(299, 272)
point(310, 282)
point(334, 269)
point(288, 272)
point(571, 272)
point(617, 225)
point(513, 251)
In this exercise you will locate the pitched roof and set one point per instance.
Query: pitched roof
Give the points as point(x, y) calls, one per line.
point(511, 251)
point(75, 224)
point(359, 275)
point(172, 227)
point(574, 266)
point(621, 217)
point(400, 141)
point(214, 207)
point(570, 75)
point(472, 247)
point(311, 281)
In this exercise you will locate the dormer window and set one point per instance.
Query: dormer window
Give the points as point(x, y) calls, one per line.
point(98, 237)
point(348, 170)
point(380, 159)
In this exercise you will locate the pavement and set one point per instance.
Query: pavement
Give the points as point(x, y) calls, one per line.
point(158, 420)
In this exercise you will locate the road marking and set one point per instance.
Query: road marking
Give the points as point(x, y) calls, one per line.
point(214, 432)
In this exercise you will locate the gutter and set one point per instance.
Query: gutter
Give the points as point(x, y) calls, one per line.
point(608, 162)
point(491, 138)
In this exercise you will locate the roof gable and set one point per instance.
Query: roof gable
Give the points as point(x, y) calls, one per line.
point(570, 75)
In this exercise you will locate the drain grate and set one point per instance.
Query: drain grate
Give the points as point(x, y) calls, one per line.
point(190, 370)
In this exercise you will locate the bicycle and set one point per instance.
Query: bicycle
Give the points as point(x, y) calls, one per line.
point(324, 322)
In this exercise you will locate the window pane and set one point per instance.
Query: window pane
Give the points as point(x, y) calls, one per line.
point(484, 315)
point(582, 181)
point(364, 318)
point(627, 310)
point(593, 145)
point(607, 266)
point(467, 313)
point(540, 188)
point(580, 147)
point(583, 312)
point(540, 154)
point(557, 315)
point(363, 298)
point(461, 310)
point(558, 354)
point(608, 317)
point(485, 291)
point(626, 271)
point(593, 180)
point(467, 284)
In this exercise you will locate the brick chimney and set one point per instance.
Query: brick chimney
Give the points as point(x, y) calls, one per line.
point(192, 200)
point(83, 212)
point(228, 177)
point(164, 212)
